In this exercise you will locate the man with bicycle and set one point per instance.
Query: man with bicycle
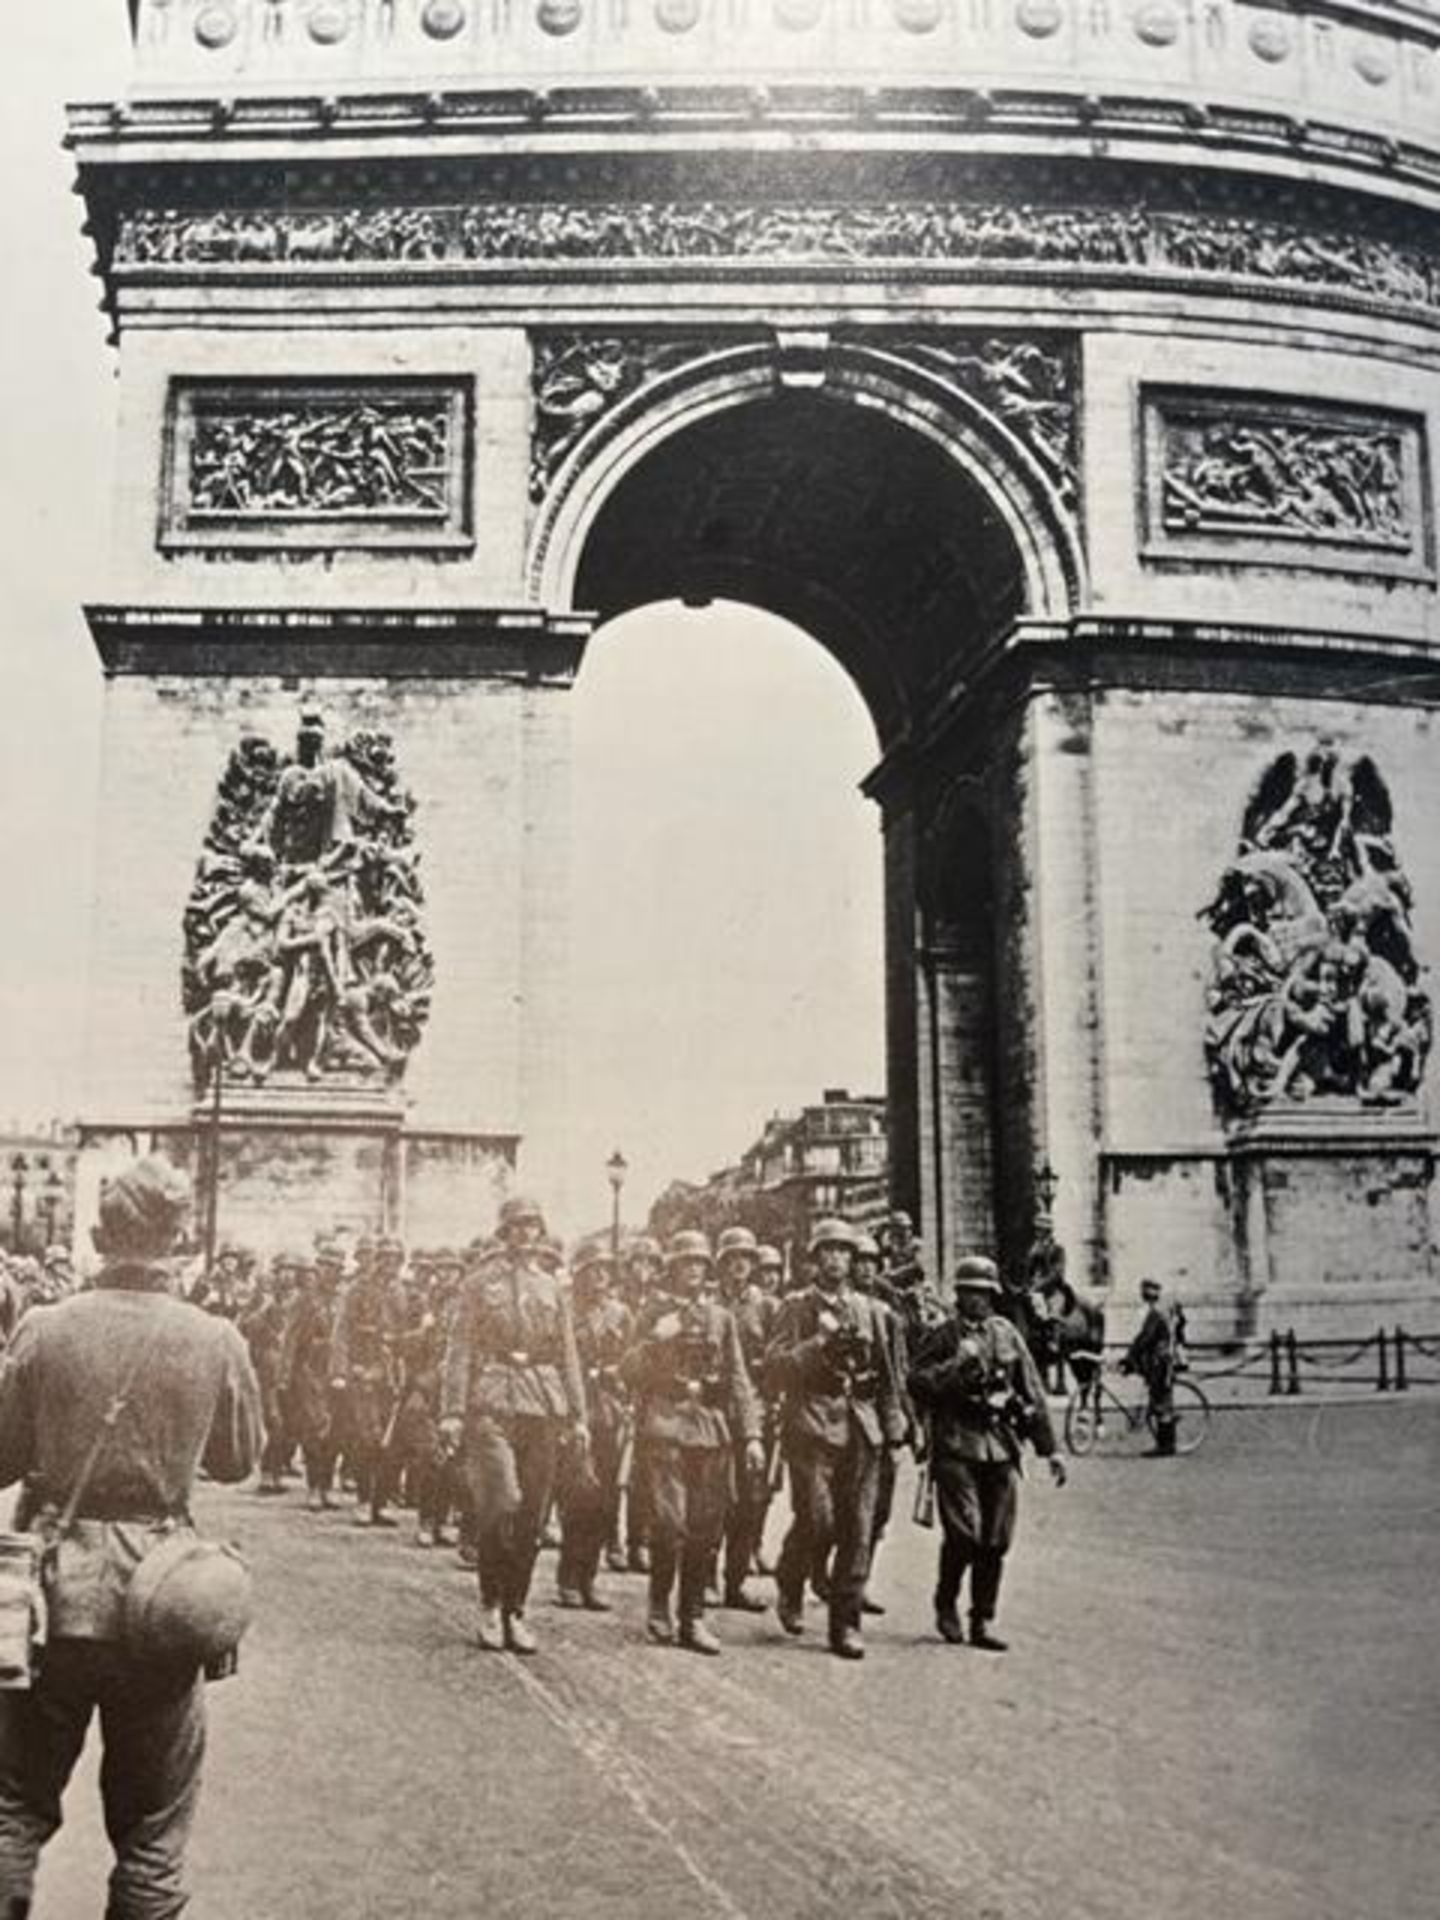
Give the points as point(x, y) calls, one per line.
point(1157, 1355)
point(975, 1380)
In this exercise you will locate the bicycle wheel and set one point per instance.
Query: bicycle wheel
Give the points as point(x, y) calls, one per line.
point(1082, 1422)
point(1192, 1416)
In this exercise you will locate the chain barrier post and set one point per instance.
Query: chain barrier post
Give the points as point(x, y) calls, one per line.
point(1292, 1362)
point(1382, 1384)
point(1402, 1384)
point(1275, 1361)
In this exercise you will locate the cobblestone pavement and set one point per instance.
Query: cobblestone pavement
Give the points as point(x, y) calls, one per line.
point(1222, 1698)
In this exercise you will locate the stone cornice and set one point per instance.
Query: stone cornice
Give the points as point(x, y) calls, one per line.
point(518, 644)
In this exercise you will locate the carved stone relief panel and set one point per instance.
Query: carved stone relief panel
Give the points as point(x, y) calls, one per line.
point(317, 463)
point(577, 378)
point(1264, 481)
point(1029, 383)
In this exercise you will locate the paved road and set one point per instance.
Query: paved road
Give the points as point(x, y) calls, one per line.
point(1223, 1698)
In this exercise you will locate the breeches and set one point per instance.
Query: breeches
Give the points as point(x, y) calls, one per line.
point(833, 1492)
point(689, 1497)
point(588, 1505)
point(509, 1467)
point(152, 1724)
point(978, 1501)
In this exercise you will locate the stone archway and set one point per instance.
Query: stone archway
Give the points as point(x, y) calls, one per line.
point(895, 521)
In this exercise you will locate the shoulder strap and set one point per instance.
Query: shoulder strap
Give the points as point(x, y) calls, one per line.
point(109, 1420)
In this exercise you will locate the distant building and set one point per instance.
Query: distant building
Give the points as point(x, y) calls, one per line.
point(830, 1159)
point(37, 1187)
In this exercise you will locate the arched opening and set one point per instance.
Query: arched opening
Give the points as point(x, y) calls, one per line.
point(878, 541)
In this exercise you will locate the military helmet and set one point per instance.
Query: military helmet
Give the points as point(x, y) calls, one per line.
point(189, 1600)
point(644, 1247)
point(689, 1244)
point(899, 1218)
point(866, 1244)
point(736, 1240)
point(977, 1273)
point(831, 1233)
point(517, 1210)
point(769, 1259)
point(593, 1251)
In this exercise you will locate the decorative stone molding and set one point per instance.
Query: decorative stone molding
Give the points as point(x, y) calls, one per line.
point(1029, 383)
point(358, 463)
point(1268, 481)
point(577, 378)
point(1131, 242)
point(305, 950)
point(1316, 987)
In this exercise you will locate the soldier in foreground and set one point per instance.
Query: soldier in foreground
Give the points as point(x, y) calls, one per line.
point(832, 1358)
point(975, 1379)
point(737, 1259)
point(118, 1396)
point(695, 1402)
point(511, 1393)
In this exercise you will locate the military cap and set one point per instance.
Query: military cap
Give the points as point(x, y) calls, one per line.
point(977, 1273)
point(831, 1233)
point(736, 1240)
point(141, 1210)
point(769, 1258)
point(1149, 1285)
point(517, 1210)
point(899, 1218)
point(690, 1244)
point(445, 1257)
point(328, 1251)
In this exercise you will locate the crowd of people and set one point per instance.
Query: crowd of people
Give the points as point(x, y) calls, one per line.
point(641, 1406)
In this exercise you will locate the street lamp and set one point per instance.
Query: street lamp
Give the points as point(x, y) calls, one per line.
point(1046, 1182)
point(616, 1168)
point(18, 1165)
point(50, 1203)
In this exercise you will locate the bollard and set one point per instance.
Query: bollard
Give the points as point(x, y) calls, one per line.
point(1275, 1362)
point(1402, 1385)
point(1382, 1384)
point(1292, 1362)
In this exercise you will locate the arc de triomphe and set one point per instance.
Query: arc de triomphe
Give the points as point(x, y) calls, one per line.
point(1067, 368)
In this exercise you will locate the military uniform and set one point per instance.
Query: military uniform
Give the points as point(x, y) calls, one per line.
point(831, 1357)
point(755, 1311)
point(1155, 1354)
point(694, 1401)
point(512, 1382)
point(193, 1401)
point(305, 1376)
point(262, 1327)
point(590, 1495)
point(984, 1397)
point(362, 1379)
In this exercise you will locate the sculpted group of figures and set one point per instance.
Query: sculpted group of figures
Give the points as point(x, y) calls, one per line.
point(655, 1404)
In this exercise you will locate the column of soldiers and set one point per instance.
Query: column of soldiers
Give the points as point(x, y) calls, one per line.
point(649, 1404)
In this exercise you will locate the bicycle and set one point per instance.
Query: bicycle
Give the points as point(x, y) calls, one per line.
point(1098, 1419)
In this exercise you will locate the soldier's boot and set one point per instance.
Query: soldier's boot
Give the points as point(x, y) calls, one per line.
point(490, 1630)
point(739, 1599)
point(1164, 1448)
point(982, 1636)
point(867, 1605)
point(518, 1637)
point(592, 1601)
point(615, 1560)
point(568, 1597)
point(846, 1642)
point(790, 1611)
point(424, 1535)
point(659, 1625)
point(947, 1625)
point(697, 1636)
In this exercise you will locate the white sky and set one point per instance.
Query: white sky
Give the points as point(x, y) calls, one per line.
point(727, 876)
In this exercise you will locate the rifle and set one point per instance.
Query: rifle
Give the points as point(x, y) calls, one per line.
point(923, 1512)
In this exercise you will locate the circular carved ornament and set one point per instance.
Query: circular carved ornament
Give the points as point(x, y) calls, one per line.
point(1157, 26)
point(1039, 18)
point(216, 27)
point(799, 15)
point(443, 19)
point(559, 16)
point(329, 25)
point(919, 16)
point(1269, 42)
point(677, 16)
point(1373, 64)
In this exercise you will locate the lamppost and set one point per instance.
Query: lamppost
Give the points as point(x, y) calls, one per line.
point(616, 1168)
point(18, 1166)
point(1046, 1182)
point(50, 1203)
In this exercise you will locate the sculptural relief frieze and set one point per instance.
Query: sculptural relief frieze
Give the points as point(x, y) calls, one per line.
point(1028, 384)
point(1129, 240)
point(1316, 987)
point(577, 378)
point(1261, 476)
point(315, 457)
point(305, 951)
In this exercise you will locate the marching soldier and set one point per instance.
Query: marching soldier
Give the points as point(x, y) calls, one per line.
point(831, 1357)
point(736, 1271)
point(419, 1356)
point(362, 1377)
point(511, 1390)
point(867, 1281)
point(975, 1378)
point(590, 1499)
point(642, 1274)
point(305, 1370)
point(262, 1325)
point(695, 1402)
point(138, 1604)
